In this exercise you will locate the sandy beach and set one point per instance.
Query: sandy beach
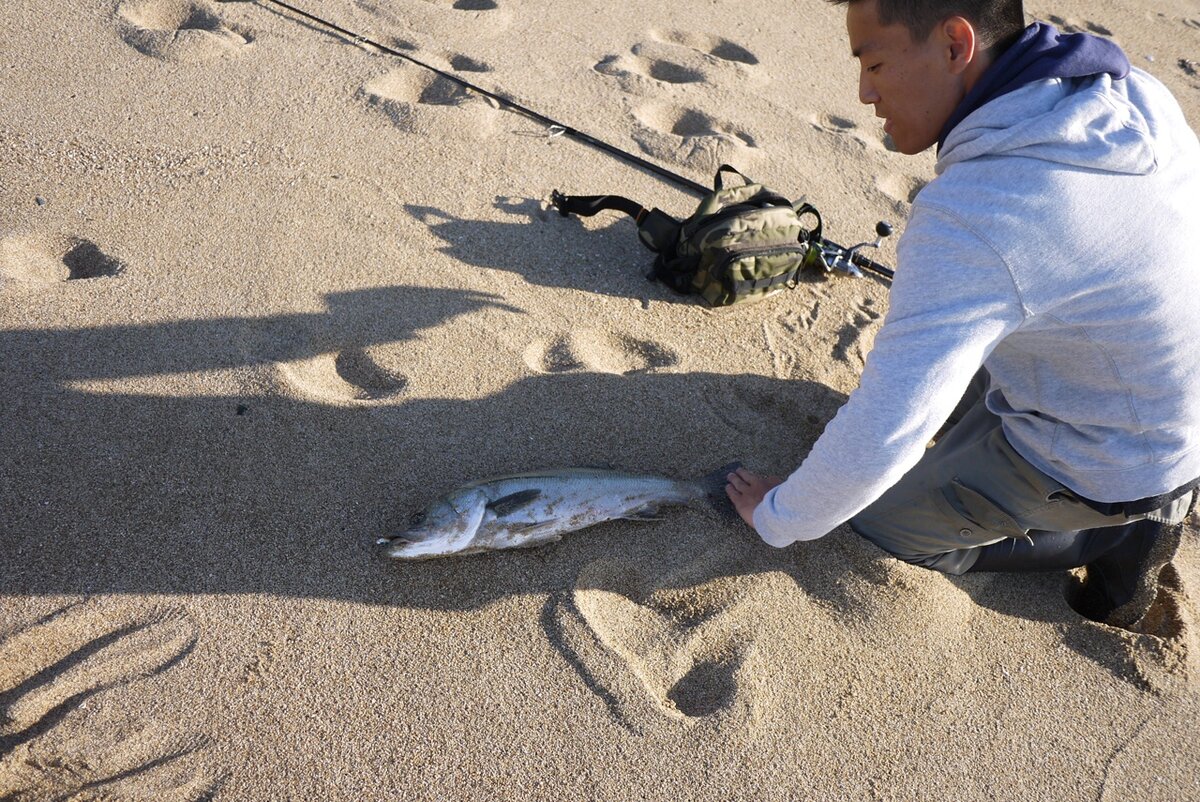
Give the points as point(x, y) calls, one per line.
point(266, 293)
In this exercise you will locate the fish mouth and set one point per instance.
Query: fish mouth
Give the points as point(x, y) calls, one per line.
point(401, 548)
point(411, 546)
point(392, 542)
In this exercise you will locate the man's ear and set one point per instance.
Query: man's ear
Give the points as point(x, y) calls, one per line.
point(961, 43)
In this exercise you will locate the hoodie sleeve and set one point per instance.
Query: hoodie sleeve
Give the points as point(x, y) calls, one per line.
point(952, 301)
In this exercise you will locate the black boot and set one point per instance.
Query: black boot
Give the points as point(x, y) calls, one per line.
point(1122, 583)
point(1123, 564)
point(1047, 551)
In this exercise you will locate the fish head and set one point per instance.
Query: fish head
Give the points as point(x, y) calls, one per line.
point(449, 527)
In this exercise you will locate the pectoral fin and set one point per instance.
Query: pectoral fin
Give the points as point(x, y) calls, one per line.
point(513, 501)
point(648, 514)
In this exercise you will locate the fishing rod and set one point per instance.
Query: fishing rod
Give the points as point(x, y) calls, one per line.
point(837, 257)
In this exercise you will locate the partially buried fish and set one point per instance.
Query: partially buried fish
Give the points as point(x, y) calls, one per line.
point(530, 509)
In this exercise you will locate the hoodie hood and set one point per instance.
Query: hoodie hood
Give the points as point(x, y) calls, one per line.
point(1041, 52)
point(1092, 123)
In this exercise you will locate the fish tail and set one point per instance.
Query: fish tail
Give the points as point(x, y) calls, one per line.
point(713, 487)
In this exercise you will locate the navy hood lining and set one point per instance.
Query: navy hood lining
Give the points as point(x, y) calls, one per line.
point(1040, 53)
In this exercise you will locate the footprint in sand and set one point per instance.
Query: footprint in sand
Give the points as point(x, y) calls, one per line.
point(716, 46)
point(55, 743)
point(461, 63)
point(849, 132)
point(856, 336)
point(46, 260)
point(679, 646)
point(658, 62)
point(349, 376)
point(691, 137)
point(179, 30)
point(834, 124)
point(443, 18)
point(638, 74)
point(680, 74)
point(421, 102)
point(781, 335)
point(598, 351)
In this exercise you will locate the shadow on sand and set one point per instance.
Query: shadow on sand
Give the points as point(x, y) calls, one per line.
point(605, 261)
point(198, 494)
point(269, 493)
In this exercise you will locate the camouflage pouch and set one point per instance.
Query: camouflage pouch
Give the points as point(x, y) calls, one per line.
point(743, 243)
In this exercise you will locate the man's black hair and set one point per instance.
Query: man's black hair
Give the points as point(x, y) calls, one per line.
point(996, 22)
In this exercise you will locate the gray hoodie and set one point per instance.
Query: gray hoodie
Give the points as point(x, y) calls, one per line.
point(1055, 249)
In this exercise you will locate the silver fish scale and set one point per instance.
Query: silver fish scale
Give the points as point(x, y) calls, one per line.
point(580, 501)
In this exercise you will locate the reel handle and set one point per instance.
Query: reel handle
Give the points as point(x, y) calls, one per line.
point(848, 260)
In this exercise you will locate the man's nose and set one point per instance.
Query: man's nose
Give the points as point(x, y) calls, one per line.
point(866, 90)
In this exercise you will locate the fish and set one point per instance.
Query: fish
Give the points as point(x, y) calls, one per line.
point(531, 509)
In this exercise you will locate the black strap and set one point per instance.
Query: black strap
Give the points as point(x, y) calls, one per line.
point(589, 205)
point(768, 198)
point(657, 230)
point(719, 179)
point(815, 234)
point(764, 198)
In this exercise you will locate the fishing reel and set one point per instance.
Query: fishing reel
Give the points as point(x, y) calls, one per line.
point(849, 260)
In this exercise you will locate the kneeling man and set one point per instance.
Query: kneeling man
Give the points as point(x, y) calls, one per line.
point(1043, 317)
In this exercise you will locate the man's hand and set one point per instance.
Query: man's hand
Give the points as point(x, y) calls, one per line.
point(746, 490)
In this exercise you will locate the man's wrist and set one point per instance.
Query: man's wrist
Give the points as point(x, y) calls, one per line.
point(760, 516)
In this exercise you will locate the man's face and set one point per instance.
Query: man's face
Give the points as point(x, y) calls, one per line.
point(910, 84)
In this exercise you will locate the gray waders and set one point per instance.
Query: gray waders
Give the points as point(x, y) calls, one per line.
point(974, 504)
